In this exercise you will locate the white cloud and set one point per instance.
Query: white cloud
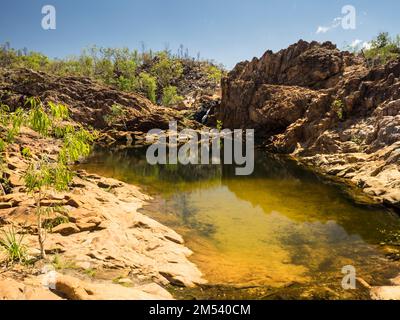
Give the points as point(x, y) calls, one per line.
point(322, 29)
point(367, 45)
point(356, 43)
point(335, 23)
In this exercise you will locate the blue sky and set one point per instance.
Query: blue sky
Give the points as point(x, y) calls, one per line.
point(228, 31)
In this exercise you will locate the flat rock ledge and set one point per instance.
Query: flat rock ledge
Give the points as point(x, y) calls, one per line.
point(101, 232)
point(387, 292)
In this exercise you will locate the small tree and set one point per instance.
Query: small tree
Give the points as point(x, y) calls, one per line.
point(48, 173)
point(214, 73)
point(148, 84)
point(166, 69)
point(117, 113)
point(170, 96)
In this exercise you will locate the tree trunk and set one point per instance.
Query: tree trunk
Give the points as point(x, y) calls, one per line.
point(40, 229)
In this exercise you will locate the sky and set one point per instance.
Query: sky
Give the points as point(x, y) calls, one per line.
point(227, 31)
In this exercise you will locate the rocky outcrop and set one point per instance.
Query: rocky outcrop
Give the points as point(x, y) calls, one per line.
point(326, 108)
point(87, 100)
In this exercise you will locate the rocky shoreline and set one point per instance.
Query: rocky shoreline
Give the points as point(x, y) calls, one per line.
point(100, 245)
point(324, 107)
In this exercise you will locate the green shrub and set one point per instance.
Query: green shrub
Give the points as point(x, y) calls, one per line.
point(170, 96)
point(13, 245)
point(338, 108)
point(38, 119)
point(49, 224)
point(26, 152)
point(148, 85)
point(214, 73)
point(117, 113)
point(383, 49)
point(166, 69)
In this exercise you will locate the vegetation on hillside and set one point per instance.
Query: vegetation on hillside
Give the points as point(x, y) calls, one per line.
point(382, 49)
point(149, 73)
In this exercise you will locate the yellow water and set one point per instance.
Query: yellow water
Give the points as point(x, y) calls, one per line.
point(280, 226)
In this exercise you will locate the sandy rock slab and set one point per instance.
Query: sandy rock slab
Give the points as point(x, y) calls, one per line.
point(61, 287)
point(75, 289)
point(13, 290)
point(386, 293)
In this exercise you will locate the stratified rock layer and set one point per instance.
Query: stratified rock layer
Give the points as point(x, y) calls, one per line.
point(87, 100)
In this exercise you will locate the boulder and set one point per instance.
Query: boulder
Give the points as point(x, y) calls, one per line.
point(13, 290)
point(66, 229)
point(76, 289)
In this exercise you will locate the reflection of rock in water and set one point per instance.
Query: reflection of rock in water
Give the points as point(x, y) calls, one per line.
point(134, 159)
point(187, 213)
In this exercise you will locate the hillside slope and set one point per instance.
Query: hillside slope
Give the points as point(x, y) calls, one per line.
point(88, 100)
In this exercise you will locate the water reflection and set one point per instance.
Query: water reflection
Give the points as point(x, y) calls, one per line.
point(280, 225)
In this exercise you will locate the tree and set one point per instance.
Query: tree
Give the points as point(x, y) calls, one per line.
point(166, 69)
point(382, 40)
point(48, 172)
point(170, 96)
point(117, 113)
point(148, 84)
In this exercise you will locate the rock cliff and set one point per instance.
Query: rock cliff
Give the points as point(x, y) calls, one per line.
point(326, 108)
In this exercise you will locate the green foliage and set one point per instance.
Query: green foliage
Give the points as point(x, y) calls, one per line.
point(26, 152)
point(3, 145)
point(90, 272)
point(49, 224)
point(214, 73)
point(11, 123)
point(39, 175)
point(117, 113)
point(166, 69)
point(12, 243)
point(49, 173)
point(148, 85)
point(338, 107)
point(58, 111)
point(126, 84)
point(60, 264)
point(38, 119)
point(219, 125)
point(146, 72)
point(61, 131)
point(76, 144)
point(383, 49)
point(170, 96)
